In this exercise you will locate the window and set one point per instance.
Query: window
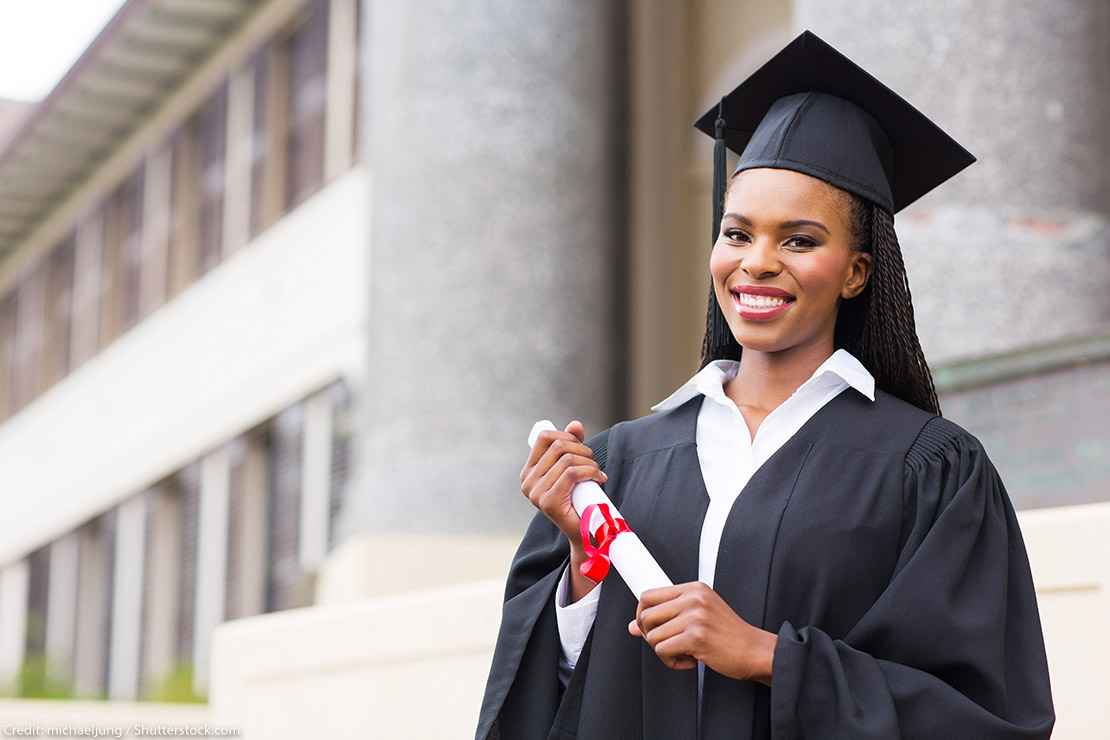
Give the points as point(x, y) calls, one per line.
point(59, 311)
point(308, 56)
point(38, 590)
point(120, 274)
point(129, 212)
point(342, 441)
point(184, 200)
point(286, 452)
point(271, 112)
point(212, 151)
point(29, 336)
point(7, 354)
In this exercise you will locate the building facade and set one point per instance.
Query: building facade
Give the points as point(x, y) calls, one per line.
point(181, 310)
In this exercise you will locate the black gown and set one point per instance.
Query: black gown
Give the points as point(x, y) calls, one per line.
point(878, 543)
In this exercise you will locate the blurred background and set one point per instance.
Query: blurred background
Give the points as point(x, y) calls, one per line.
point(284, 285)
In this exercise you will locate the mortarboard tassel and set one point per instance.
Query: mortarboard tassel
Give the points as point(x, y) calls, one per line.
point(718, 169)
point(720, 334)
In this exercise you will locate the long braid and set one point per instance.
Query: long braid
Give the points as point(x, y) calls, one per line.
point(888, 344)
point(877, 326)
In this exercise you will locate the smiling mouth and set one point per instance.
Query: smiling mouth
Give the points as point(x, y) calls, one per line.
point(751, 306)
point(752, 300)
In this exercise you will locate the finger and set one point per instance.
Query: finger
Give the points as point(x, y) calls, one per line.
point(577, 428)
point(544, 475)
point(653, 596)
point(544, 440)
point(680, 663)
point(675, 647)
point(559, 493)
point(660, 614)
point(565, 474)
point(554, 452)
point(667, 630)
point(560, 447)
point(634, 629)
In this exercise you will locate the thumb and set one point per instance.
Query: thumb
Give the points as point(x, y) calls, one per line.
point(576, 428)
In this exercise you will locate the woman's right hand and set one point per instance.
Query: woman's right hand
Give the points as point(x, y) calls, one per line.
point(558, 461)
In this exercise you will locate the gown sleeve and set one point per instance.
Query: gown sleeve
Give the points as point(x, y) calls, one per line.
point(523, 690)
point(953, 647)
point(574, 622)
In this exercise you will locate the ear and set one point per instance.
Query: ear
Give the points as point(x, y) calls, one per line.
point(859, 271)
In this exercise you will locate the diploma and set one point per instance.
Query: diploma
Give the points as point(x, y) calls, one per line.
point(616, 542)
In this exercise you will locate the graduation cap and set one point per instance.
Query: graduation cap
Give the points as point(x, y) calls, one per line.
point(814, 110)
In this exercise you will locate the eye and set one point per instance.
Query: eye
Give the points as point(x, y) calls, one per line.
point(735, 234)
point(803, 241)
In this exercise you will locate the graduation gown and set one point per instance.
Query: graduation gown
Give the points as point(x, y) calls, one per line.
point(878, 543)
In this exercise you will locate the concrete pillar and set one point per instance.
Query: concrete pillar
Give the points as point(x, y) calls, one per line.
point(92, 599)
point(14, 580)
point(339, 119)
point(211, 560)
point(61, 610)
point(86, 288)
point(157, 192)
point(237, 175)
point(316, 480)
point(127, 600)
point(495, 286)
point(162, 580)
point(1011, 258)
point(1024, 86)
point(249, 595)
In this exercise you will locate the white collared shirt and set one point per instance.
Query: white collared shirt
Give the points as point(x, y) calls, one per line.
point(728, 457)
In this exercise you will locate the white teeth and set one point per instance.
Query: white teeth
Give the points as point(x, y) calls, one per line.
point(759, 301)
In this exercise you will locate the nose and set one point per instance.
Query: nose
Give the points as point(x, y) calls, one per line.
point(761, 259)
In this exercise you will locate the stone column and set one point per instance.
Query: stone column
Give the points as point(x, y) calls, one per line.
point(127, 601)
point(1024, 86)
point(62, 605)
point(496, 152)
point(211, 581)
point(1008, 262)
point(316, 454)
point(93, 623)
point(238, 159)
point(14, 579)
point(162, 574)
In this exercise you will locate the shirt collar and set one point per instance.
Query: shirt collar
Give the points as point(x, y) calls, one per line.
point(711, 378)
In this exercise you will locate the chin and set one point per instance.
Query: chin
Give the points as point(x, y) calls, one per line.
point(768, 340)
point(765, 347)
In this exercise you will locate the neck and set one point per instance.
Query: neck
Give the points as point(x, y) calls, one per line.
point(766, 379)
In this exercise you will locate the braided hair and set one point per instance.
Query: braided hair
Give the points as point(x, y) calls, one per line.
point(877, 326)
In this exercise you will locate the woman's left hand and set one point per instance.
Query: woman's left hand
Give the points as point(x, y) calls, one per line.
point(689, 622)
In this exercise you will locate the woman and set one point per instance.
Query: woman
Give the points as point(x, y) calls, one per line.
point(847, 563)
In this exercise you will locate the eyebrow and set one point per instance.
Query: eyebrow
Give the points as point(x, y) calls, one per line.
point(784, 225)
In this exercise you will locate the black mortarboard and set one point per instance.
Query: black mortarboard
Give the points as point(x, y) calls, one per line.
point(814, 110)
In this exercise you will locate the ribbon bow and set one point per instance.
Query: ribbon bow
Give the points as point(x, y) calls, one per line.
point(596, 566)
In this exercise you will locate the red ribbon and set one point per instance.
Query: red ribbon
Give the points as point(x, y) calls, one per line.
point(596, 566)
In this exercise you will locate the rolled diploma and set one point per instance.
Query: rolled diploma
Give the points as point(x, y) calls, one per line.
point(626, 553)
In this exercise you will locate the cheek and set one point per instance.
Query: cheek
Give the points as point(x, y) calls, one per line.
point(717, 261)
point(722, 265)
point(818, 277)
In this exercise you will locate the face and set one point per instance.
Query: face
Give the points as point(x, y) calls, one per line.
point(788, 231)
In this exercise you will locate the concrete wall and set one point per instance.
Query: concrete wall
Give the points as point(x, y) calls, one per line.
point(415, 665)
point(266, 327)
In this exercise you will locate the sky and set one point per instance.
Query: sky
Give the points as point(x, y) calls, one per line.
point(41, 39)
